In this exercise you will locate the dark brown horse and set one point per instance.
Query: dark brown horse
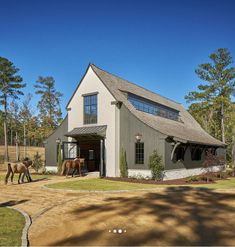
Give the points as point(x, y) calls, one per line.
point(72, 164)
point(21, 168)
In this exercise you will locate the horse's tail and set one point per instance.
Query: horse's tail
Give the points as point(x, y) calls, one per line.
point(63, 168)
point(9, 171)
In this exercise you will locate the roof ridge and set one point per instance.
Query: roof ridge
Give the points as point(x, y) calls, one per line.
point(91, 64)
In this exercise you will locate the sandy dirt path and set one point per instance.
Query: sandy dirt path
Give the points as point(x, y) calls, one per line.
point(166, 217)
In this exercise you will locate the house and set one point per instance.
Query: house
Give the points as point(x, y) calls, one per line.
point(107, 112)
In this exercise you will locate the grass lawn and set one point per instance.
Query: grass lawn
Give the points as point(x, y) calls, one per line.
point(11, 226)
point(99, 185)
point(107, 185)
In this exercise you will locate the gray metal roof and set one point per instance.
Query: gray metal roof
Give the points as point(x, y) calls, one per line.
point(187, 129)
point(98, 130)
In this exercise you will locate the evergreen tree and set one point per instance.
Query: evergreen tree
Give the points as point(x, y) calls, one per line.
point(215, 94)
point(10, 87)
point(49, 103)
point(212, 104)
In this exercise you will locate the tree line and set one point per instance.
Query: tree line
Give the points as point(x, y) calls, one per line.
point(20, 123)
point(212, 105)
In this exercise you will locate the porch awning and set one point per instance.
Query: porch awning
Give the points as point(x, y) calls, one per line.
point(90, 131)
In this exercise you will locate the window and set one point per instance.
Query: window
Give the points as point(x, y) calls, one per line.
point(179, 153)
point(154, 108)
point(139, 153)
point(91, 154)
point(90, 109)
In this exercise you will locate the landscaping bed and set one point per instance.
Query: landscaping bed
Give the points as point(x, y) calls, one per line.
point(200, 179)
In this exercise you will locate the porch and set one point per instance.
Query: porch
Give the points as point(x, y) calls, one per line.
point(87, 143)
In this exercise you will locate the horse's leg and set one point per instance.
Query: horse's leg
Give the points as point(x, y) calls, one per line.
point(7, 176)
point(28, 176)
point(19, 178)
point(67, 172)
point(12, 177)
point(22, 180)
point(80, 173)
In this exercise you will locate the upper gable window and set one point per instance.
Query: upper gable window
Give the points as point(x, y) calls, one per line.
point(90, 109)
point(154, 108)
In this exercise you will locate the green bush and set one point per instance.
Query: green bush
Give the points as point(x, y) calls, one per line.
point(156, 166)
point(37, 162)
point(59, 157)
point(192, 179)
point(123, 164)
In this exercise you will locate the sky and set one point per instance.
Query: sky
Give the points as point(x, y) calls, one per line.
point(156, 44)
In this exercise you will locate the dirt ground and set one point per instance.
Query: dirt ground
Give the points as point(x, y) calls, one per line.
point(157, 217)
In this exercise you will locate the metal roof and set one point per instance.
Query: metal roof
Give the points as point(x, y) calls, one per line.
point(99, 130)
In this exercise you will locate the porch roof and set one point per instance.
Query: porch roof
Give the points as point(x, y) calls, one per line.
point(99, 130)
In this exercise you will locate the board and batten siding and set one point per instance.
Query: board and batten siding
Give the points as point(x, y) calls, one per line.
point(187, 163)
point(129, 127)
point(51, 145)
point(106, 115)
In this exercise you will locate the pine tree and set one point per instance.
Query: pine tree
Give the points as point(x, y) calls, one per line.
point(219, 87)
point(10, 87)
point(49, 103)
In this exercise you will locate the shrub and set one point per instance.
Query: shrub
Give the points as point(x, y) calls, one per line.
point(155, 165)
point(37, 162)
point(59, 157)
point(123, 164)
point(192, 179)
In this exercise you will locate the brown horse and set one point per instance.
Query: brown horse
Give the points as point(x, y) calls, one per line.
point(20, 168)
point(72, 164)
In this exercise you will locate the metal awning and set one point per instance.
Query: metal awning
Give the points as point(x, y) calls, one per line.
point(88, 132)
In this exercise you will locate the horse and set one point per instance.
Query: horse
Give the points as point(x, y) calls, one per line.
point(27, 162)
point(72, 164)
point(17, 168)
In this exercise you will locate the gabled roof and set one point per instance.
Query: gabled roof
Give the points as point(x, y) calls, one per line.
point(187, 130)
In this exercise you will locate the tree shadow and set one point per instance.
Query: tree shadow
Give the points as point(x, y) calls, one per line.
point(12, 203)
point(173, 217)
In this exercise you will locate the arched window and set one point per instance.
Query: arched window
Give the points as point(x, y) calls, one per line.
point(196, 153)
point(179, 153)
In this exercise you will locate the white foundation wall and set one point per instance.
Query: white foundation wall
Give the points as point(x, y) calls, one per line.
point(105, 113)
point(176, 173)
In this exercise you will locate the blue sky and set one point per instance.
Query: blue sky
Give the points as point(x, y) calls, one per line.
point(156, 44)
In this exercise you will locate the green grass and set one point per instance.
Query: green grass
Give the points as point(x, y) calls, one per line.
point(11, 226)
point(99, 185)
point(107, 185)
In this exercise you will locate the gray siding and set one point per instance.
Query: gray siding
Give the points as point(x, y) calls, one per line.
point(129, 127)
point(51, 145)
point(188, 162)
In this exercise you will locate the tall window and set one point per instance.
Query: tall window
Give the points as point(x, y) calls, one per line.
point(90, 109)
point(139, 153)
point(154, 108)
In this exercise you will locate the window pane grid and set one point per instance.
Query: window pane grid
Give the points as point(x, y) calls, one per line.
point(144, 105)
point(139, 153)
point(90, 109)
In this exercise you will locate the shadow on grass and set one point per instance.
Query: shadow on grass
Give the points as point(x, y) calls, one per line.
point(199, 217)
point(12, 203)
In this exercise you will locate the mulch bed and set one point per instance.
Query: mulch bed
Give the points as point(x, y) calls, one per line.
point(166, 182)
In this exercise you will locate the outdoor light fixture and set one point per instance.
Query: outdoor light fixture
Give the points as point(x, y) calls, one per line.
point(58, 140)
point(138, 137)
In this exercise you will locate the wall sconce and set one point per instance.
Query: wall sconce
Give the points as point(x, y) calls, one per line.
point(138, 137)
point(58, 140)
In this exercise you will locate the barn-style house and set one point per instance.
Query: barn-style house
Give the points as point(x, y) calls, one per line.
point(107, 112)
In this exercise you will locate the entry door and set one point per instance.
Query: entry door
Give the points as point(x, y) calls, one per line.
point(70, 150)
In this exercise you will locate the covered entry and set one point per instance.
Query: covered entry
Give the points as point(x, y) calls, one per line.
point(89, 143)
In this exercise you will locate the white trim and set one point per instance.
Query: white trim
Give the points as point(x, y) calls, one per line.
point(51, 168)
point(174, 174)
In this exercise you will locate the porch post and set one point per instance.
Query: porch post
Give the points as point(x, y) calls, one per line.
point(101, 157)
